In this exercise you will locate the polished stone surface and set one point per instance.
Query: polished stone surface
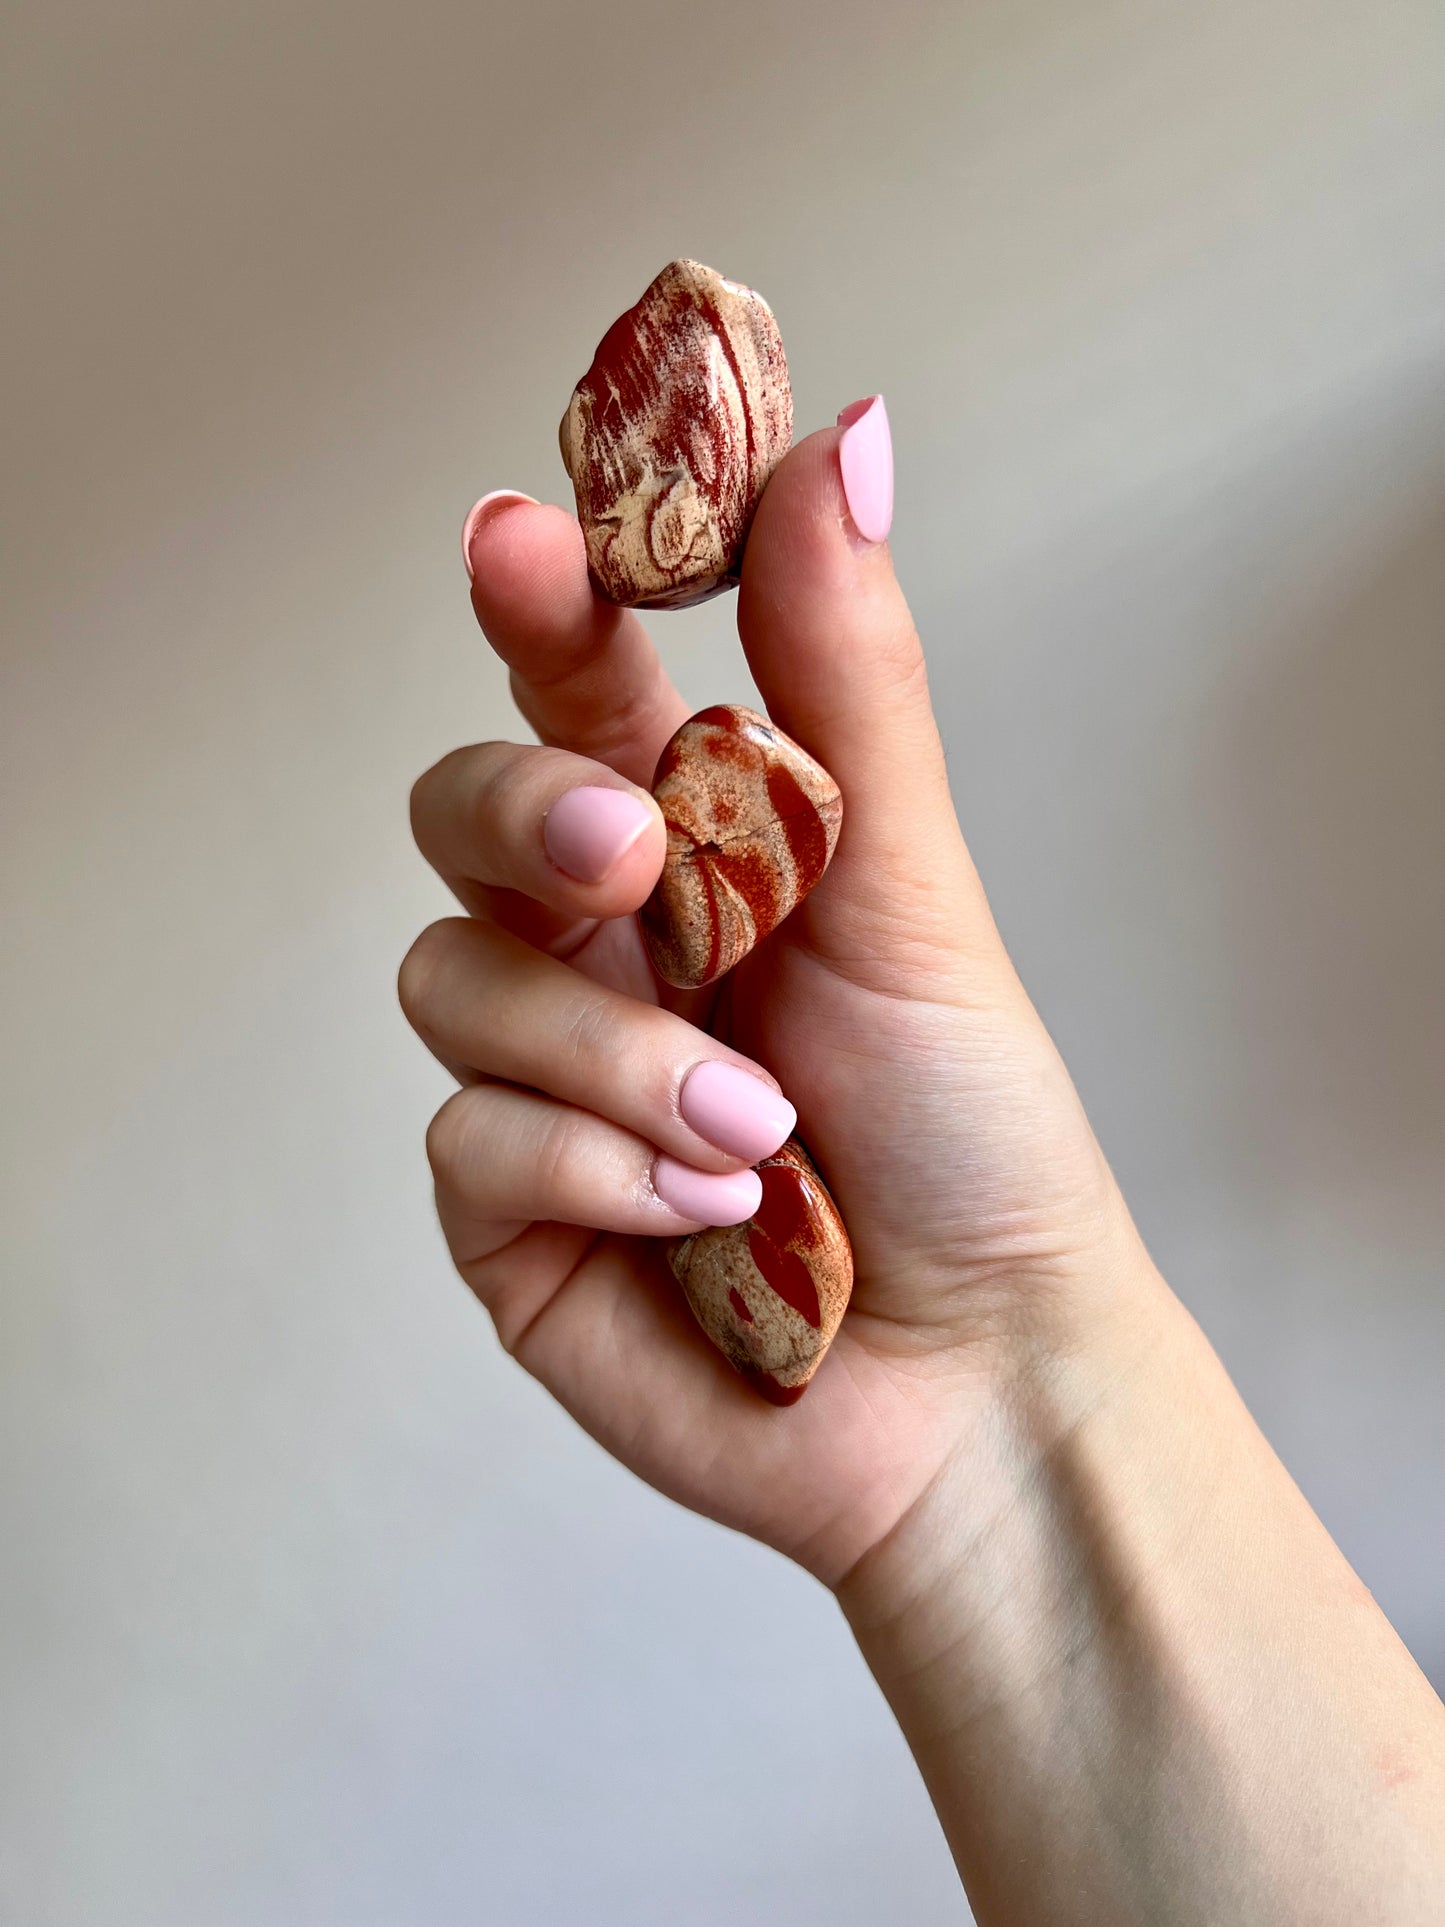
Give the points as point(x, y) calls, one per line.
point(672, 434)
point(771, 1293)
point(752, 823)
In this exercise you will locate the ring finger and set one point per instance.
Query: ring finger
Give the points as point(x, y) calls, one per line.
point(515, 1156)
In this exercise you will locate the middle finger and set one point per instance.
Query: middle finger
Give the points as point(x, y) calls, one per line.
point(481, 997)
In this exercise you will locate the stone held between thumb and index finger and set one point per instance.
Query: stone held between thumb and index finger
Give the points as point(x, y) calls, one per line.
point(671, 435)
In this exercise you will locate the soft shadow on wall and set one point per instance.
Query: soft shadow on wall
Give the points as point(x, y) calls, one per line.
point(1332, 828)
point(1334, 916)
point(1235, 929)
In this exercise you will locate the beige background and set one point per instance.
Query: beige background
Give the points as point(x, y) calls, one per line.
point(313, 1609)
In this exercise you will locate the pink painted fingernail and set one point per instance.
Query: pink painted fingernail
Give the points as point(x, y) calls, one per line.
point(499, 498)
point(706, 1197)
point(588, 831)
point(736, 1111)
point(865, 454)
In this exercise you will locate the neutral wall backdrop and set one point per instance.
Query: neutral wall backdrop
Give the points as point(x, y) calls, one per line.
point(313, 1609)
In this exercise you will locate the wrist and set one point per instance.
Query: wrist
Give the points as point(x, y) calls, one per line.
point(1023, 1618)
point(1139, 1681)
point(1015, 1551)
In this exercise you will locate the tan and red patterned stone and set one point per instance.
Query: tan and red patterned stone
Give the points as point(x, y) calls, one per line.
point(771, 1293)
point(752, 823)
point(671, 435)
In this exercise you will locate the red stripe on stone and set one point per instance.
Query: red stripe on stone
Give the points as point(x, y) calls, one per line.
point(786, 1218)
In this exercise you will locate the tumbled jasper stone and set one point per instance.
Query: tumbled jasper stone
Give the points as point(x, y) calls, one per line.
point(752, 822)
point(672, 434)
point(771, 1293)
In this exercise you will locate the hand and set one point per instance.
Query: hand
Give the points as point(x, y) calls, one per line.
point(985, 1224)
point(1140, 1683)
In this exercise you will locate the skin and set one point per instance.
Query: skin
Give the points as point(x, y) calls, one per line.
point(1140, 1681)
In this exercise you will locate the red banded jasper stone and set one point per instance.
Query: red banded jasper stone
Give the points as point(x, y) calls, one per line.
point(752, 822)
point(671, 435)
point(771, 1293)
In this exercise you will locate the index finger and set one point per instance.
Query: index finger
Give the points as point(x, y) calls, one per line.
point(584, 672)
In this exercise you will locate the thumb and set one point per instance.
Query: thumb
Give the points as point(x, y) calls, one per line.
point(837, 660)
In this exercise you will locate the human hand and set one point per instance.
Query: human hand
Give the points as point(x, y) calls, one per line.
point(1139, 1681)
point(986, 1228)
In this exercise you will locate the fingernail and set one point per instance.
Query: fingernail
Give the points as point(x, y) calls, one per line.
point(736, 1111)
point(865, 454)
point(498, 498)
point(588, 831)
point(707, 1197)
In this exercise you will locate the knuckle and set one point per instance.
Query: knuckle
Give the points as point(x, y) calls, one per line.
point(430, 790)
point(416, 805)
point(448, 1138)
point(630, 718)
point(591, 1033)
point(907, 666)
point(422, 966)
point(560, 1158)
point(492, 789)
point(449, 790)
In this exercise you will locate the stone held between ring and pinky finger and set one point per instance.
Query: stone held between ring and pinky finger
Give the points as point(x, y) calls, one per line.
point(771, 1293)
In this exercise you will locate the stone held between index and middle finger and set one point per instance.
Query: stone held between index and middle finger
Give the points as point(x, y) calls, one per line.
point(752, 823)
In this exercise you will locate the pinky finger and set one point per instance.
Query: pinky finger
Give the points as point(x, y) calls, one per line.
point(509, 1157)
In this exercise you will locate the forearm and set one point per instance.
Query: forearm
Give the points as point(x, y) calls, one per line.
point(1151, 1689)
